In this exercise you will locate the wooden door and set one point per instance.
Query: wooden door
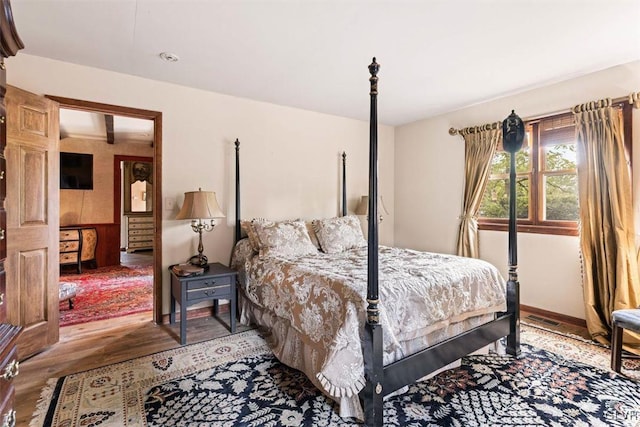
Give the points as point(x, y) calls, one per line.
point(32, 219)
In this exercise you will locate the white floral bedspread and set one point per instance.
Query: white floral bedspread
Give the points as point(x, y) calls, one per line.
point(323, 297)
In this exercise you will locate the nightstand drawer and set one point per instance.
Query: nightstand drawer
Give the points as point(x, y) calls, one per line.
point(223, 291)
point(208, 282)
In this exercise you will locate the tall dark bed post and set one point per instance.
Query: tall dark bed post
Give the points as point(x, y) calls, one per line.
point(372, 344)
point(512, 138)
point(238, 230)
point(344, 183)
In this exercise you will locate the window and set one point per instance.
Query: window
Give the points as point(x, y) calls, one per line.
point(546, 179)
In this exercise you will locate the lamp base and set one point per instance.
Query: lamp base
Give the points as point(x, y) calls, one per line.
point(199, 260)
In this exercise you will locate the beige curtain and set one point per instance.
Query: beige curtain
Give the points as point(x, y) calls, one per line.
point(479, 147)
point(610, 265)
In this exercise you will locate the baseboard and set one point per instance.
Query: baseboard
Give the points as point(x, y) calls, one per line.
point(197, 313)
point(556, 316)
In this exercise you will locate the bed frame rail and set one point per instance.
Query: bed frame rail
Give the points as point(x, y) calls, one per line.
point(412, 368)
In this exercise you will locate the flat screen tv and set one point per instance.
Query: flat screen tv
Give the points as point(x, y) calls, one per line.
point(76, 171)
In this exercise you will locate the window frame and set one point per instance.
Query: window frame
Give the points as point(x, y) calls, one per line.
point(534, 224)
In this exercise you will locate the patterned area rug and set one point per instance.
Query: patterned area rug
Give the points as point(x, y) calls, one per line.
point(108, 292)
point(235, 381)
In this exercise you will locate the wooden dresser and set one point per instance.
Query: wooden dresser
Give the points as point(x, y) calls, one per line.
point(78, 245)
point(10, 43)
point(139, 232)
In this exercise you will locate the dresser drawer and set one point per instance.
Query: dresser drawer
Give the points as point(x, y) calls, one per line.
point(9, 368)
point(3, 295)
point(69, 235)
point(3, 178)
point(144, 244)
point(147, 232)
point(138, 226)
point(70, 245)
point(3, 233)
point(7, 411)
point(141, 220)
point(141, 238)
point(69, 257)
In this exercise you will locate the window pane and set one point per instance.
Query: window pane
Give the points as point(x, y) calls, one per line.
point(523, 160)
point(560, 157)
point(561, 197)
point(495, 203)
point(500, 163)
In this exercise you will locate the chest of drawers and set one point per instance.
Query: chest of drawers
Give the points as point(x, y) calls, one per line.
point(78, 245)
point(139, 233)
point(10, 44)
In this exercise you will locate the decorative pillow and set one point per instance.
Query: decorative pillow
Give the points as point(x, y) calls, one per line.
point(312, 234)
point(249, 230)
point(339, 234)
point(241, 253)
point(284, 238)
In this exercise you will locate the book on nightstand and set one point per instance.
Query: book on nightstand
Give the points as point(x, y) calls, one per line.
point(186, 270)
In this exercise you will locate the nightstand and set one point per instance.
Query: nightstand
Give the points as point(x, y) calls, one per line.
point(218, 282)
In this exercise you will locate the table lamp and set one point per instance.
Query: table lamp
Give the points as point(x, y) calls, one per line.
point(363, 207)
point(199, 206)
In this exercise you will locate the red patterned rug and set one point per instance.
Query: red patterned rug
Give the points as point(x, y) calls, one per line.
point(108, 292)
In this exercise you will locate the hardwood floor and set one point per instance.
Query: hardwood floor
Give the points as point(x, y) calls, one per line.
point(91, 345)
point(95, 344)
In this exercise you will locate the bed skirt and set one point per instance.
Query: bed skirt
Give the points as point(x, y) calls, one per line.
point(292, 349)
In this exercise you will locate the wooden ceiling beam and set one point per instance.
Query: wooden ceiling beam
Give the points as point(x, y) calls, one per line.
point(108, 121)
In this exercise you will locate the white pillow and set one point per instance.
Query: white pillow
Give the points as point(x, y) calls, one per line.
point(339, 234)
point(283, 238)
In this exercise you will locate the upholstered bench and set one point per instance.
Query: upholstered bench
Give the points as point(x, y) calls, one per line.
point(67, 292)
point(622, 319)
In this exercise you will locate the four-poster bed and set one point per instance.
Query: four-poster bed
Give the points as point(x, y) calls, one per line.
point(326, 313)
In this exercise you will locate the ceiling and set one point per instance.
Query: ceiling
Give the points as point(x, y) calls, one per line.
point(90, 125)
point(436, 55)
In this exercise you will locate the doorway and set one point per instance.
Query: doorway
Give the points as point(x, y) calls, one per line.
point(109, 111)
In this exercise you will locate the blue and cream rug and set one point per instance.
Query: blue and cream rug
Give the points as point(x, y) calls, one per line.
point(236, 381)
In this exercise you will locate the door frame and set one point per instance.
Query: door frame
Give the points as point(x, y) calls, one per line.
point(156, 117)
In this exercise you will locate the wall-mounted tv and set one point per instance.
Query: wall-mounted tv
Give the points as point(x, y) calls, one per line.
point(76, 171)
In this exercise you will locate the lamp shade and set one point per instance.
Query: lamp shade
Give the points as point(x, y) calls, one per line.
point(200, 205)
point(363, 206)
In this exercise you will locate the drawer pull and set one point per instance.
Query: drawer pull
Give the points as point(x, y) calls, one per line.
point(1, 298)
point(11, 370)
point(2, 66)
point(2, 119)
point(209, 292)
point(1, 175)
point(2, 234)
point(9, 419)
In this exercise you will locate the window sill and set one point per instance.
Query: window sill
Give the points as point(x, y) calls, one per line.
point(530, 228)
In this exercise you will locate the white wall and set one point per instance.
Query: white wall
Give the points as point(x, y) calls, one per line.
point(290, 157)
point(429, 168)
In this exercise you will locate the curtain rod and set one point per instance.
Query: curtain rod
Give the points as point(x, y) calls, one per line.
point(472, 129)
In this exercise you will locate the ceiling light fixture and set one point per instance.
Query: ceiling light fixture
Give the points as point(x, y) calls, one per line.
point(169, 57)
